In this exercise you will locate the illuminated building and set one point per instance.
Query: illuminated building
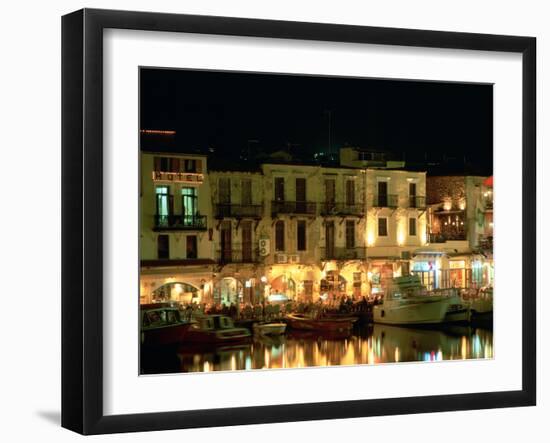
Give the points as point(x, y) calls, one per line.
point(460, 226)
point(301, 231)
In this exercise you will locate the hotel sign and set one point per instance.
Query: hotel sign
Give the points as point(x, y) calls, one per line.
point(178, 177)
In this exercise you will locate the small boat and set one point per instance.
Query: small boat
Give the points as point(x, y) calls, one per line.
point(161, 324)
point(215, 329)
point(269, 328)
point(482, 305)
point(407, 302)
point(309, 323)
point(458, 311)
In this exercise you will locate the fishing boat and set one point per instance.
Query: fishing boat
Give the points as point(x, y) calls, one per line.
point(161, 324)
point(407, 302)
point(325, 324)
point(215, 329)
point(269, 328)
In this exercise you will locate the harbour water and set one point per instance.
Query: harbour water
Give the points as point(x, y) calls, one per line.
point(370, 344)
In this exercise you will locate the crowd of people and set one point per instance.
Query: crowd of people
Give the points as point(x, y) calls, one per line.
point(272, 311)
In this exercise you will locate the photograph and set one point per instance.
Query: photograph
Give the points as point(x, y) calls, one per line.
point(294, 221)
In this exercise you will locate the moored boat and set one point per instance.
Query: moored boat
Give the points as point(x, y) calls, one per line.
point(458, 311)
point(215, 329)
point(309, 323)
point(407, 302)
point(161, 324)
point(482, 305)
point(269, 328)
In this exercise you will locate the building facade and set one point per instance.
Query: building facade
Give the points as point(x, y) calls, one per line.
point(460, 225)
point(302, 232)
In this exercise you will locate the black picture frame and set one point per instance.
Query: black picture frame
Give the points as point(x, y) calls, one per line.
point(82, 215)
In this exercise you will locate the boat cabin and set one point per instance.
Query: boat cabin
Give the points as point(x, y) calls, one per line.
point(214, 322)
point(159, 316)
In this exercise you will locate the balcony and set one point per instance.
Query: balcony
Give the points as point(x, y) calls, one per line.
point(227, 210)
point(238, 253)
point(341, 253)
point(385, 201)
point(180, 222)
point(417, 202)
point(296, 208)
point(342, 209)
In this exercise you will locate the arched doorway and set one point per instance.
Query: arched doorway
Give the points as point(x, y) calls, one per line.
point(228, 290)
point(333, 285)
point(176, 291)
point(284, 285)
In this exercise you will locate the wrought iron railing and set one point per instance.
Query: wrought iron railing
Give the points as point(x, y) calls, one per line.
point(417, 202)
point(180, 222)
point(385, 201)
point(332, 208)
point(293, 207)
point(341, 253)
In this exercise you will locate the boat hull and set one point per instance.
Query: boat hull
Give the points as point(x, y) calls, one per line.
point(322, 324)
point(414, 313)
point(458, 311)
point(217, 337)
point(164, 335)
point(270, 328)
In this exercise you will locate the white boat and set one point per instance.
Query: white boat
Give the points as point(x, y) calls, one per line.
point(407, 302)
point(270, 328)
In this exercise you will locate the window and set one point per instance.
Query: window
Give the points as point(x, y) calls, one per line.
point(191, 246)
point(190, 165)
point(189, 205)
point(280, 235)
point(350, 234)
point(301, 232)
point(163, 247)
point(330, 190)
point(246, 192)
point(300, 189)
point(174, 165)
point(382, 227)
point(382, 194)
point(164, 205)
point(162, 193)
point(412, 226)
point(279, 189)
point(224, 190)
point(350, 192)
point(412, 195)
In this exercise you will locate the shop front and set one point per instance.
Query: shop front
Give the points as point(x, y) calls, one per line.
point(228, 290)
point(426, 267)
point(380, 276)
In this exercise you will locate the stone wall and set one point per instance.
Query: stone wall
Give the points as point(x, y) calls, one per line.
point(439, 189)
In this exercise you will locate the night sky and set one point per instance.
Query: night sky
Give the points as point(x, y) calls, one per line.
point(224, 110)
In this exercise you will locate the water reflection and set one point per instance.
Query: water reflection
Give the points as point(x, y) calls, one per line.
point(367, 345)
